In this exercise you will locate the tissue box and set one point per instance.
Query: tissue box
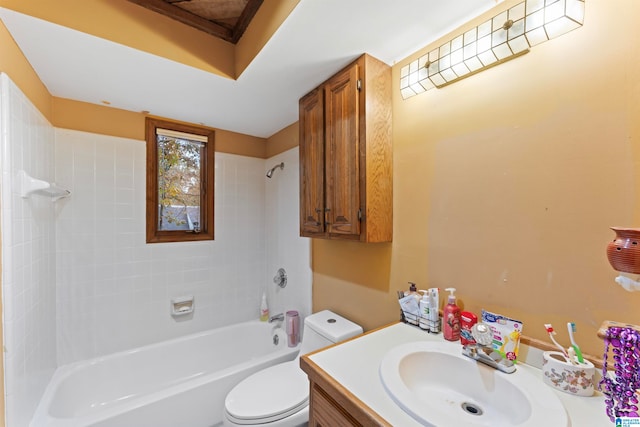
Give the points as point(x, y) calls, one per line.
point(567, 377)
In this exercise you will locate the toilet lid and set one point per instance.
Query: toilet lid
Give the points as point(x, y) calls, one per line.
point(269, 395)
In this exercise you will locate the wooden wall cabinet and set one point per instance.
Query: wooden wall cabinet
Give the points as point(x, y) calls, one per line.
point(346, 156)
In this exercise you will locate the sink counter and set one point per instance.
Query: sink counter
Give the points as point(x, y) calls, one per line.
point(353, 369)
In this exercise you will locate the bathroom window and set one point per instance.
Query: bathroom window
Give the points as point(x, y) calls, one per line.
point(180, 171)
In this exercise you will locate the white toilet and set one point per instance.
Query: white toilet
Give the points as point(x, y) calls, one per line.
point(278, 396)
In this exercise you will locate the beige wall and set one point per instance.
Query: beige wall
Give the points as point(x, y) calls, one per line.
point(69, 114)
point(505, 185)
point(283, 140)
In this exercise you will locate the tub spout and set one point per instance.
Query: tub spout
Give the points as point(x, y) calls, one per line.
point(275, 317)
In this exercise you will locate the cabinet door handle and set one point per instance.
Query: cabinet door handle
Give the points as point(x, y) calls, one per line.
point(326, 210)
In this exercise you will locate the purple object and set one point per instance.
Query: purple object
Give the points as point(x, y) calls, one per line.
point(620, 390)
point(293, 328)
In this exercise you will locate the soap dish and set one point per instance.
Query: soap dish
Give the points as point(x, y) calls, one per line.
point(182, 305)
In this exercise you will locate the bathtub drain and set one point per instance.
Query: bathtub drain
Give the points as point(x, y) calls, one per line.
point(276, 340)
point(471, 408)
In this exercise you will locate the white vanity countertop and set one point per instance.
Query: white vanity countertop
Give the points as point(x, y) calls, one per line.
point(355, 365)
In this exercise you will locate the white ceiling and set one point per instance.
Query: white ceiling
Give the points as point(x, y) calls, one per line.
point(315, 41)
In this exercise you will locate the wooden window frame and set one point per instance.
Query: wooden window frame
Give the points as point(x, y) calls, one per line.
point(207, 168)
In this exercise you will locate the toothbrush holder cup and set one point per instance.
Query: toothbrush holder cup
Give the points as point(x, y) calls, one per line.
point(562, 375)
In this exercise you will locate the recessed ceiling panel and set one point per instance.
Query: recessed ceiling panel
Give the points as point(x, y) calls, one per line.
point(226, 19)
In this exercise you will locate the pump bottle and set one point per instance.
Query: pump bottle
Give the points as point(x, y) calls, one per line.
point(413, 290)
point(451, 318)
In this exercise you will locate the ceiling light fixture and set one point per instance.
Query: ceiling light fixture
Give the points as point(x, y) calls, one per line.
point(505, 36)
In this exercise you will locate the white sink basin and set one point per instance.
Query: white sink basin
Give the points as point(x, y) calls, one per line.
point(438, 386)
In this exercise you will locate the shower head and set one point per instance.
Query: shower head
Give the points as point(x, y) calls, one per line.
point(270, 171)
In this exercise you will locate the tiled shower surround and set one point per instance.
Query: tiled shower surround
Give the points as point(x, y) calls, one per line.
point(28, 255)
point(79, 281)
point(109, 279)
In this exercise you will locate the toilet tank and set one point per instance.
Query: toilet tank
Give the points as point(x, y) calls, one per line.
point(325, 328)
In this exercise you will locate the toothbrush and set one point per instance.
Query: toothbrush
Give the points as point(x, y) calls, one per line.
point(551, 334)
point(571, 327)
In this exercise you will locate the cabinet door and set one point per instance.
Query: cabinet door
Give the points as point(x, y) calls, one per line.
point(326, 412)
point(341, 153)
point(311, 122)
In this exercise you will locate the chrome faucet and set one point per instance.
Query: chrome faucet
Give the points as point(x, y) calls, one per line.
point(279, 316)
point(482, 352)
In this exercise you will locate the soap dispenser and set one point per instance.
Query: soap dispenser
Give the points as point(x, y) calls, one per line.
point(413, 290)
point(451, 318)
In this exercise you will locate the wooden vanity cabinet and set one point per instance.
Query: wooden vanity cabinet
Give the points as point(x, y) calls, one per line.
point(331, 405)
point(346, 155)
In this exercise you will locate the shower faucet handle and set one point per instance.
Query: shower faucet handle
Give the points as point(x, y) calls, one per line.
point(280, 278)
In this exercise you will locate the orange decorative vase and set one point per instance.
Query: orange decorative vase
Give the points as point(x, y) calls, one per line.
point(624, 251)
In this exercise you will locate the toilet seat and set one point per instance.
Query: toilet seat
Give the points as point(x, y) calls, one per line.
point(268, 395)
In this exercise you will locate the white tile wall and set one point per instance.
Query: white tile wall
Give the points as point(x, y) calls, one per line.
point(113, 289)
point(28, 255)
point(285, 247)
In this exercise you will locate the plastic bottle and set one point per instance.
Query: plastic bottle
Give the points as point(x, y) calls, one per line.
point(264, 308)
point(434, 310)
point(424, 310)
point(451, 318)
point(413, 290)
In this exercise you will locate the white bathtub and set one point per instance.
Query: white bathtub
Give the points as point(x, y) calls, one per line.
point(181, 382)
